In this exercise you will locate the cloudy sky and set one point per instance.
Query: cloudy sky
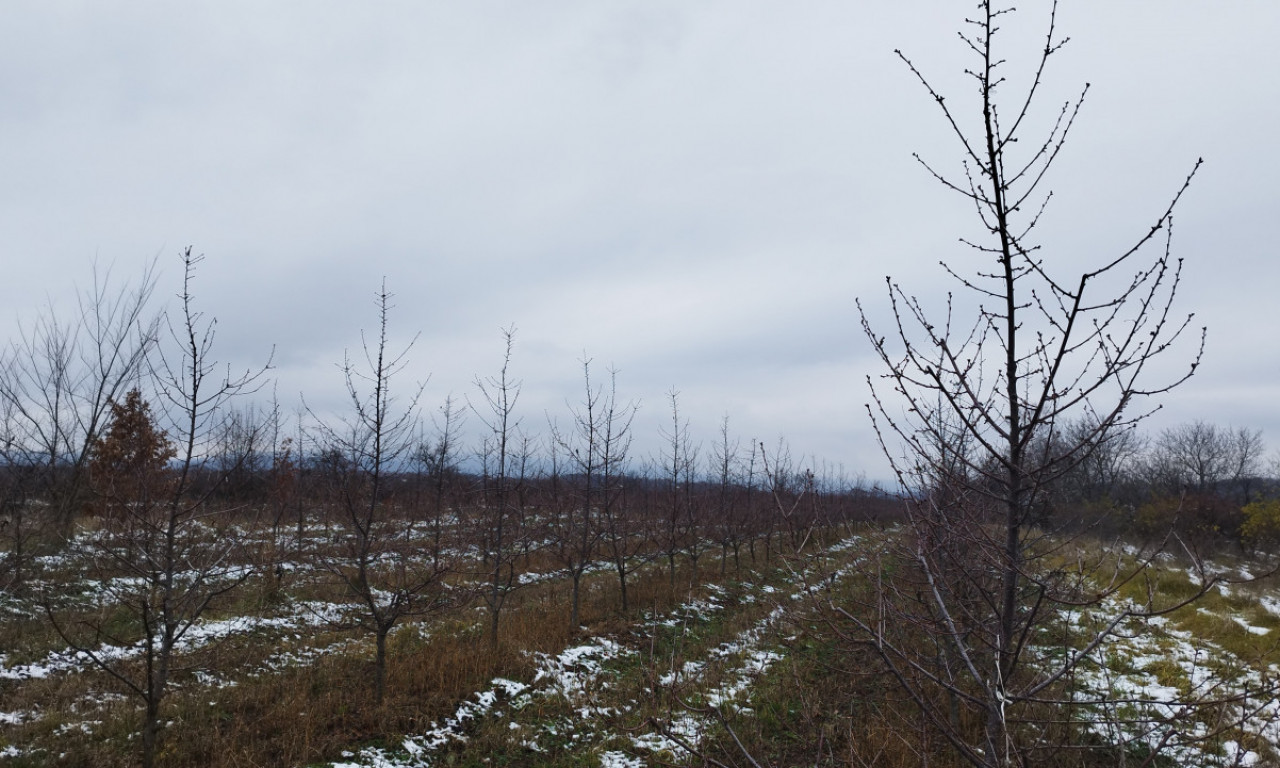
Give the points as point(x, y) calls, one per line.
point(692, 193)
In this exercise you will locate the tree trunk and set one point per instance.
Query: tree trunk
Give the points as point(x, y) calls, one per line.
point(622, 584)
point(380, 665)
point(150, 729)
point(573, 615)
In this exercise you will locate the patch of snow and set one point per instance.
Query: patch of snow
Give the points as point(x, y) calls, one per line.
point(17, 718)
point(619, 760)
point(195, 637)
point(684, 728)
point(1131, 704)
point(691, 669)
point(1250, 628)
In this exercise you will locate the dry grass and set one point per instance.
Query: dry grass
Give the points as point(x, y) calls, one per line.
point(825, 703)
point(314, 712)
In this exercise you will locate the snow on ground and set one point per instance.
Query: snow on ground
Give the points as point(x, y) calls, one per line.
point(752, 661)
point(742, 660)
point(619, 760)
point(1250, 628)
point(579, 676)
point(1129, 687)
point(1142, 697)
point(69, 660)
point(573, 674)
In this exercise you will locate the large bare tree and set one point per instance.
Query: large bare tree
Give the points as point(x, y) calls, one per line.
point(982, 398)
point(58, 379)
point(1201, 457)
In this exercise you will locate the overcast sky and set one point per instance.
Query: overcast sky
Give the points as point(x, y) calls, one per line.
point(694, 193)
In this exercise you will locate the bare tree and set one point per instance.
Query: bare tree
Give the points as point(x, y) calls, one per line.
point(17, 476)
point(58, 379)
point(729, 514)
point(440, 460)
point(573, 519)
point(754, 518)
point(239, 456)
point(1199, 476)
point(373, 556)
point(595, 448)
point(164, 555)
point(1102, 474)
point(280, 479)
point(1200, 456)
point(499, 521)
point(958, 627)
point(678, 464)
point(788, 486)
point(622, 532)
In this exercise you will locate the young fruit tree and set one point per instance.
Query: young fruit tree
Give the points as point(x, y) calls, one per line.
point(374, 557)
point(676, 466)
point(500, 525)
point(595, 450)
point(962, 611)
point(164, 553)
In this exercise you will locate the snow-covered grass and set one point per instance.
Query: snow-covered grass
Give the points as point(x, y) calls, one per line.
point(621, 699)
point(628, 690)
point(282, 631)
point(1141, 682)
point(301, 615)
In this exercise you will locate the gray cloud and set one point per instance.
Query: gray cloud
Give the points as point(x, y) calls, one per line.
point(695, 193)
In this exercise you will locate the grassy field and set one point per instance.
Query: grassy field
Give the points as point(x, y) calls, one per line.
point(725, 664)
